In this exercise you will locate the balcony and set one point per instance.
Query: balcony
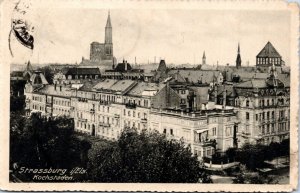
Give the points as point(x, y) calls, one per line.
point(104, 124)
point(206, 142)
point(130, 105)
point(143, 120)
point(245, 134)
point(82, 120)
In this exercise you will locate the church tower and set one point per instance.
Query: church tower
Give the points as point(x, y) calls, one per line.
point(203, 59)
point(238, 58)
point(108, 38)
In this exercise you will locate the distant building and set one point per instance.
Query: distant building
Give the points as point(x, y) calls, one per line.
point(262, 105)
point(269, 56)
point(76, 75)
point(101, 54)
point(124, 71)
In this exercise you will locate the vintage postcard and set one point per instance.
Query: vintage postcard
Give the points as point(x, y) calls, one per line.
point(185, 96)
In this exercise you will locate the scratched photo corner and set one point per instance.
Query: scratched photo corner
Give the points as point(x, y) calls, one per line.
point(117, 95)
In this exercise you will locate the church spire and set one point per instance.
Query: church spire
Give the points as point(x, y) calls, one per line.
point(238, 58)
point(203, 59)
point(108, 30)
point(108, 23)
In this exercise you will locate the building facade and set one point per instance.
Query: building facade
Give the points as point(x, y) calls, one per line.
point(103, 108)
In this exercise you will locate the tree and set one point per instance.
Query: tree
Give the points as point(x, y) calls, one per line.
point(145, 157)
point(42, 142)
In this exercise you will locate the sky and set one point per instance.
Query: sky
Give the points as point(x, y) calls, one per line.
point(178, 36)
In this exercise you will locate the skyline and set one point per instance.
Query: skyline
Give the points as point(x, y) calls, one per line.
point(178, 36)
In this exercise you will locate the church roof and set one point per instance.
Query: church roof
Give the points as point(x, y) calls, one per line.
point(268, 51)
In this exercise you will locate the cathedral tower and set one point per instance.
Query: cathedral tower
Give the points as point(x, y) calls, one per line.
point(238, 58)
point(108, 38)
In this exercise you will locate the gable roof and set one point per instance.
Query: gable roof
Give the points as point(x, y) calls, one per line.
point(268, 51)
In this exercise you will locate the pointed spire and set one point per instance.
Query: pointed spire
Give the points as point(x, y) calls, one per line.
point(203, 59)
point(29, 67)
point(238, 61)
point(108, 23)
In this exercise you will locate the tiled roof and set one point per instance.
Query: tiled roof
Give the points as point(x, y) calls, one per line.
point(253, 83)
point(143, 87)
point(114, 85)
point(268, 51)
point(285, 79)
point(194, 76)
point(250, 75)
point(50, 90)
point(89, 84)
point(38, 78)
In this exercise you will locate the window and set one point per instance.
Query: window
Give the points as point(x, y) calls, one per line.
point(124, 111)
point(214, 131)
point(165, 131)
point(247, 103)
point(228, 131)
point(182, 101)
point(256, 117)
point(247, 116)
point(133, 113)
point(171, 131)
point(183, 92)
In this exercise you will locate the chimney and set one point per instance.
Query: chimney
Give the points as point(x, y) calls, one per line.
point(224, 99)
point(125, 65)
point(216, 95)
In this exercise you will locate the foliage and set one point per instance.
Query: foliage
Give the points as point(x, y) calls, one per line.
point(145, 157)
point(245, 177)
point(17, 103)
point(41, 142)
point(254, 155)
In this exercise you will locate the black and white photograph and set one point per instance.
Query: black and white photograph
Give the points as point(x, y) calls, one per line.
point(99, 93)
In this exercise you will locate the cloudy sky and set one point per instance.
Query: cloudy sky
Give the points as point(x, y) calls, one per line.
point(179, 36)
